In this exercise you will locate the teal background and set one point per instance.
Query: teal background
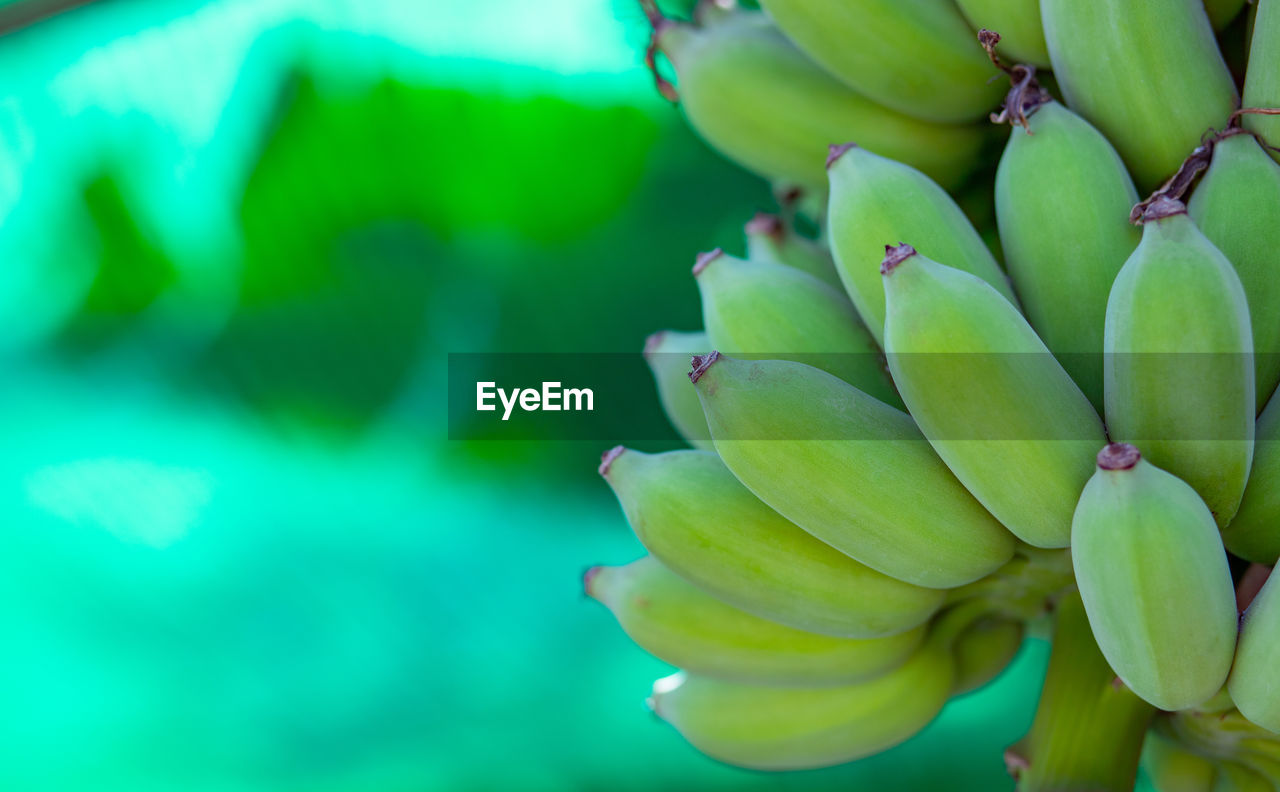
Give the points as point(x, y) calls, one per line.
point(237, 241)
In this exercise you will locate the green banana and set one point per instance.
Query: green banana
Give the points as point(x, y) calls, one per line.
point(759, 101)
point(916, 56)
point(848, 469)
point(682, 625)
point(1062, 199)
point(1154, 580)
point(1017, 22)
point(1173, 768)
point(1222, 12)
point(689, 511)
point(770, 239)
point(1235, 206)
point(1178, 359)
point(1236, 777)
point(876, 201)
point(1254, 682)
point(1147, 74)
point(1262, 79)
point(779, 728)
point(667, 353)
point(983, 651)
point(772, 311)
point(994, 403)
point(1254, 533)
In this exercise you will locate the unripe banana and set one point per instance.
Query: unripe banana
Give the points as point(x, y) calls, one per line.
point(667, 353)
point(1254, 533)
point(1147, 74)
point(778, 728)
point(681, 624)
point(758, 100)
point(1262, 79)
point(1178, 362)
point(1173, 768)
point(983, 651)
point(763, 310)
point(876, 201)
point(994, 403)
point(848, 469)
point(1154, 580)
point(770, 239)
point(1236, 206)
point(1062, 203)
point(1017, 22)
point(916, 56)
point(1255, 682)
point(689, 511)
point(1236, 777)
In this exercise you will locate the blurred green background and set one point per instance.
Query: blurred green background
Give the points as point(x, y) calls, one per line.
point(237, 241)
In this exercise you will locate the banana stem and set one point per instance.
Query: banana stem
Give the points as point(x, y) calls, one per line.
point(1088, 730)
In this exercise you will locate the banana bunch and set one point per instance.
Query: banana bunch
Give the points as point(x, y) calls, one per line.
point(970, 384)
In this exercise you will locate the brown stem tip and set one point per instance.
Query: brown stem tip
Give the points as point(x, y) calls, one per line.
point(764, 224)
point(606, 459)
point(893, 256)
point(588, 577)
point(701, 363)
point(1015, 762)
point(704, 259)
point(1163, 207)
point(836, 151)
point(1118, 456)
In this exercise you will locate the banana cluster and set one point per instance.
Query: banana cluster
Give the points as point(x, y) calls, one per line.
point(915, 436)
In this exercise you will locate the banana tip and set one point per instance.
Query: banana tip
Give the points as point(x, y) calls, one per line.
point(701, 363)
point(607, 459)
point(704, 259)
point(895, 255)
point(652, 343)
point(837, 150)
point(1163, 207)
point(588, 578)
point(764, 224)
point(1118, 456)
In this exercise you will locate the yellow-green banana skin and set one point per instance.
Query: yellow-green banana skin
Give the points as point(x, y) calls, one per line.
point(916, 56)
point(1236, 777)
point(770, 239)
point(1254, 533)
point(850, 470)
point(1147, 74)
point(1255, 677)
point(1154, 580)
point(983, 651)
point(1173, 768)
point(690, 512)
point(876, 201)
point(1262, 79)
point(1178, 363)
point(763, 310)
point(1222, 12)
point(680, 624)
point(781, 728)
point(1237, 206)
point(993, 401)
point(667, 352)
point(1062, 204)
point(1018, 23)
point(758, 100)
